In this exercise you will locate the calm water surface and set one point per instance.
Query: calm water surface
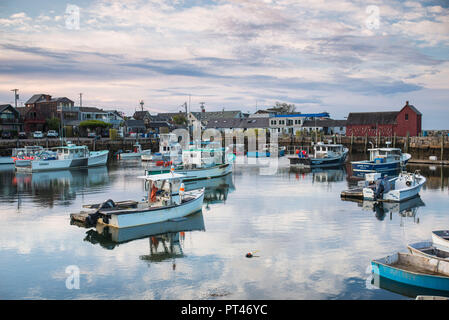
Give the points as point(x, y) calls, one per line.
point(311, 244)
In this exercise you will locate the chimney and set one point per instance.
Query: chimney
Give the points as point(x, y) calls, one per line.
point(406, 103)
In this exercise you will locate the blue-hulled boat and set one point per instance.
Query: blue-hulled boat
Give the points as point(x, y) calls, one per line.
point(387, 161)
point(324, 155)
point(267, 150)
point(424, 272)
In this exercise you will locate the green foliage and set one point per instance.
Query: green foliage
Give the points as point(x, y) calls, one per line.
point(53, 124)
point(93, 124)
point(180, 119)
point(285, 107)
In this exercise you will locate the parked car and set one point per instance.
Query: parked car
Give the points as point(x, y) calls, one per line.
point(91, 135)
point(22, 135)
point(6, 135)
point(38, 134)
point(52, 134)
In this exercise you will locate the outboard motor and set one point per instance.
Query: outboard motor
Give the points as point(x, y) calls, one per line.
point(92, 218)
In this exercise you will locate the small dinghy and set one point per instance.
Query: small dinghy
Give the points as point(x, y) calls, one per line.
point(428, 250)
point(137, 152)
point(166, 200)
point(429, 273)
point(405, 186)
point(440, 239)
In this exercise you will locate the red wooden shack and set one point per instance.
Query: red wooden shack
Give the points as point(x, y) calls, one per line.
point(406, 121)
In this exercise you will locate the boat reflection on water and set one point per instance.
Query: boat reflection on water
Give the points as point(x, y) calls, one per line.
point(216, 189)
point(165, 238)
point(322, 175)
point(404, 289)
point(48, 186)
point(406, 209)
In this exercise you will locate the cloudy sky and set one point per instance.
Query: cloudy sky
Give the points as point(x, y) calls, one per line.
point(336, 56)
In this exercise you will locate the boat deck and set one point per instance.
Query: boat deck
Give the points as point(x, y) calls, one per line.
point(416, 269)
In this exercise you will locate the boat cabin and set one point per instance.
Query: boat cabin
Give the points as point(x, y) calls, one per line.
point(72, 151)
point(322, 150)
point(164, 189)
point(384, 155)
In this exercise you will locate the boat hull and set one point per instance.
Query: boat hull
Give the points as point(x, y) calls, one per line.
point(440, 239)
point(133, 155)
point(263, 154)
point(197, 174)
point(383, 267)
point(360, 168)
point(126, 220)
point(6, 160)
point(319, 162)
point(396, 195)
point(96, 158)
point(428, 250)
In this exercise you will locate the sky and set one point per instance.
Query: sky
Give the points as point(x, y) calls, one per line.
point(336, 56)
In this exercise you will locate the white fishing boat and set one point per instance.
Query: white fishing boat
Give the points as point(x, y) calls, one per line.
point(405, 186)
point(137, 152)
point(166, 200)
point(324, 155)
point(64, 157)
point(196, 164)
point(440, 239)
point(169, 150)
point(26, 154)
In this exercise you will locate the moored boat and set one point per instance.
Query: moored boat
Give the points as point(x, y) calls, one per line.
point(64, 157)
point(166, 200)
point(427, 249)
point(387, 161)
point(405, 186)
point(440, 239)
point(137, 152)
point(424, 272)
point(324, 155)
point(267, 150)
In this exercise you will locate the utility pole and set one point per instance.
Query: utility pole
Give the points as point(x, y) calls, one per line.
point(16, 97)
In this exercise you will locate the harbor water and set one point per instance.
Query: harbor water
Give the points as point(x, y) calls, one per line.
point(306, 242)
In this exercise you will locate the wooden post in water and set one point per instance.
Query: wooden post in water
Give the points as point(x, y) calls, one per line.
point(366, 141)
point(442, 147)
point(352, 141)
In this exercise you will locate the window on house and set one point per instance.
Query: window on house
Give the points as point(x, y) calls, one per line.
point(406, 116)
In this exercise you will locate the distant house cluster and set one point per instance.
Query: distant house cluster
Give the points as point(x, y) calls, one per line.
point(40, 108)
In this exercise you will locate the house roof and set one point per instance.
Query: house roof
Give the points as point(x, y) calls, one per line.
point(369, 118)
point(303, 115)
point(208, 115)
point(238, 123)
point(35, 98)
point(325, 123)
point(140, 115)
point(135, 123)
point(91, 109)
point(3, 107)
point(159, 124)
point(413, 108)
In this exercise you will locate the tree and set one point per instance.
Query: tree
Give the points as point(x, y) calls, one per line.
point(94, 124)
point(53, 124)
point(285, 107)
point(180, 119)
